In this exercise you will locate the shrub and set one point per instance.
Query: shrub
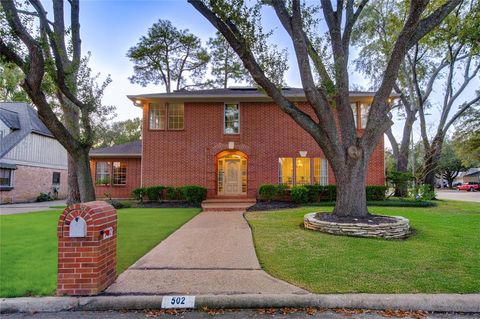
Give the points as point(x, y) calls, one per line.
point(376, 192)
point(299, 194)
point(115, 203)
point(193, 194)
point(153, 192)
point(267, 192)
point(103, 181)
point(45, 197)
point(282, 191)
point(173, 193)
point(139, 193)
point(426, 192)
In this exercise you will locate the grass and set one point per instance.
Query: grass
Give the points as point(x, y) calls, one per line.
point(28, 245)
point(443, 256)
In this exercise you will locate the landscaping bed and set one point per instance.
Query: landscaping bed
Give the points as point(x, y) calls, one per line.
point(28, 245)
point(442, 257)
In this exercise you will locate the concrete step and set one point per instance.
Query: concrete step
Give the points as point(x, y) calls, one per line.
point(221, 200)
point(227, 205)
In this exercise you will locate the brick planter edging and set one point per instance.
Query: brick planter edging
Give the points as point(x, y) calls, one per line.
point(398, 230)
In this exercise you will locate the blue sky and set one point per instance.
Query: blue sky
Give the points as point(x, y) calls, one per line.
point(110, 27)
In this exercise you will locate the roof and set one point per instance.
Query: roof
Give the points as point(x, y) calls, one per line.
point(132, 149)
point(22, 119)
point(472, 172)
point(241, 93)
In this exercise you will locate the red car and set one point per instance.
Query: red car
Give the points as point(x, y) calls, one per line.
point(472, 187)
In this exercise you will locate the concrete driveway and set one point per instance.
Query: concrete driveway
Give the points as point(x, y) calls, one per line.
point(458, 195)
point(211, 254)
point(10, 209)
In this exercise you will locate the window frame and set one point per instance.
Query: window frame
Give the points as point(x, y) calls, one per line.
point(239, 117)
point(167, 121)
point(109, 173)
point(11, 180)
point(280, 173)
point(164, 105)
point(113, 173)
point(355, 114)
point(363, 115)
point(311, 162)
point(59, 178)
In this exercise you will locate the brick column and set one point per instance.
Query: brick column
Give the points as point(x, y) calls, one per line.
point(87, 243)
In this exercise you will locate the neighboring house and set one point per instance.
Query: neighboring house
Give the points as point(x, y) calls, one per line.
point(31, 159)
point(228, 140)
point(471, 175)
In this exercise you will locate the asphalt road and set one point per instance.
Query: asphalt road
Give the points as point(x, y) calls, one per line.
point(458, 195)
point(10, 209)
point(240, 314)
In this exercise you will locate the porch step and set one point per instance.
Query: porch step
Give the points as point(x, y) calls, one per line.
point(227, 205)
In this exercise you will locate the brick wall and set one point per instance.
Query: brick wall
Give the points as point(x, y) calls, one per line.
point(188, 156)
point(30, 181)
point(119, 191)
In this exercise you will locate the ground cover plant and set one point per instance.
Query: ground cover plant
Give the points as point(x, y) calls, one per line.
point(442, 256)
point(28, 245)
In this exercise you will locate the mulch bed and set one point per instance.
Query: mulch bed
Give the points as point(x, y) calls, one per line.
point(166, 204)
point(370, 219)
point(273, 205)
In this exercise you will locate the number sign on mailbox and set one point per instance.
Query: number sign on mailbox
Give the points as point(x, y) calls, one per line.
point(78, 227)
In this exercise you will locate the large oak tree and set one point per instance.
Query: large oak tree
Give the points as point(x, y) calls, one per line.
point(347, 152)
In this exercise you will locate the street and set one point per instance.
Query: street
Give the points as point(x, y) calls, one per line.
point(457, 195)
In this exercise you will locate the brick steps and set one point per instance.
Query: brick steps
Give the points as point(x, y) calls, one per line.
point(227, 204)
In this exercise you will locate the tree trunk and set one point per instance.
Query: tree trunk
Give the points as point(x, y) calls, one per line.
point(84, 177)
point(73, 195)
point(401, 189)
point(351, 194)
point(432, 156)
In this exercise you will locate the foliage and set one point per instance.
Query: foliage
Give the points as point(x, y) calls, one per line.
point(194, 194)
point(225, 64)
point(399, 179)
point(466, 138)
point(299, 194)
point(154, 192)
point(11, 77)
point(376, 192)
point(168, 56)
point(423, 192)
point(28, 249)
point(116, 204)
point(267, 192)
point(449, 164)
point(446, 240)
point(173, 193)
point(45, 197)
point(139, 193)
point(318, 193)
point(103, 181)
point(120, 132)
point(282, 191)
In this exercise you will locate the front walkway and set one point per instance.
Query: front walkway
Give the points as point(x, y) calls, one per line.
point(211, 254)
point(10, 209)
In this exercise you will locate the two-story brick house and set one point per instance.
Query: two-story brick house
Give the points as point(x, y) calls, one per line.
point(228, 140)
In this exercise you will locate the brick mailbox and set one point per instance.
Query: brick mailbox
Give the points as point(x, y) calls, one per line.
point(87, 248)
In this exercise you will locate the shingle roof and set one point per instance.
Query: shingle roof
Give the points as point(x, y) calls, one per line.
point(127, 149)
point(22, 119)
point(234, 92)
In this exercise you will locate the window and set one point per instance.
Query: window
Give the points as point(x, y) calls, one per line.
point(364, 109)
point(175, 116)
point(302, 171)
point(285, 171)
point(320, 171)
point(355, 114)
point(56, 178)
point(102, 173)
point(6, 178)
point(119, 173)
point(232, 119)
point(157, 116)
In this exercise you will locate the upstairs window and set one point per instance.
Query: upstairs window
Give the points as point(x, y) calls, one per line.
point(232, 119)
point(157, 115)
point(119, 173)
point(175, 116)
point(364, 109)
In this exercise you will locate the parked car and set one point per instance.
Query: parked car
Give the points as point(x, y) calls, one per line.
point(456, 184)
point(471, 186)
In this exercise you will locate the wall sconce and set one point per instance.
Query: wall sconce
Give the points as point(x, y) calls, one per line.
point(137, 103)
point(303, 153)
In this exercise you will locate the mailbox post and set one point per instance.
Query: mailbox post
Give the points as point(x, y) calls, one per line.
point(87, 246)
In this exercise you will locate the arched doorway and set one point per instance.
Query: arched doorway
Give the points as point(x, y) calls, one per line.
point(231, 173)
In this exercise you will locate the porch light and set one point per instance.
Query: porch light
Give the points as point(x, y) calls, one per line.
point(138, 103)
point(303, 153)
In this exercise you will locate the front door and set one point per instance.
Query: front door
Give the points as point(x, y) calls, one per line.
point(233, 181)
point(232, 175)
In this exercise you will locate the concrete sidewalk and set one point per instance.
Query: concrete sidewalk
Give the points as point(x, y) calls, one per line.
point(211, 254)
point(10, 209)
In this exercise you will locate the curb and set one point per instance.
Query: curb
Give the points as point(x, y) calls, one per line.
point(467, 303)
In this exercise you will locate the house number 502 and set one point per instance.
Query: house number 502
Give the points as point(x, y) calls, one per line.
point(178, 302)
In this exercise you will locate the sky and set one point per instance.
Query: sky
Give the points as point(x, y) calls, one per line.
point(110, 27)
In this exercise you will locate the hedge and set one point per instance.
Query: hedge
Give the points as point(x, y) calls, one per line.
point(191, 193)
point(194, 194)
point(299, 194)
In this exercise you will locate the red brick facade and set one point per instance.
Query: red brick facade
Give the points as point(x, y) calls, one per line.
point(189, 156)
point(30, 181)
point(87, 264)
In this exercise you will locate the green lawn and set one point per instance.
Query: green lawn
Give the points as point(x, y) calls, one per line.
point(443, 256)
point(28, 245)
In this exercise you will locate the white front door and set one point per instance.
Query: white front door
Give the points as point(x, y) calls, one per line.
point(233, 177)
